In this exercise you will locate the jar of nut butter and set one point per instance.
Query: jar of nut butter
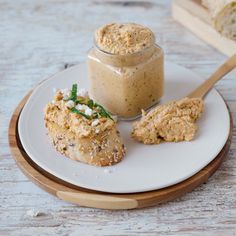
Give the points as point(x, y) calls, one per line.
point(125, 69)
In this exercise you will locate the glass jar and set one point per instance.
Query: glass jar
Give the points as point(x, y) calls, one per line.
point(126, 84)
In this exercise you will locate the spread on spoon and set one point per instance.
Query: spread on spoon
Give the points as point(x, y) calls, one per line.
point(172, 122)
point(83, 130)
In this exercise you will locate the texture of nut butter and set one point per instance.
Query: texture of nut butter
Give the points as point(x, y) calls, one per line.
point(125, 69)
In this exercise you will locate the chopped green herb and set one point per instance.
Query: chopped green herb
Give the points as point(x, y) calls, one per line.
point(73, 95)
point(81, 101)
point(90, 103)
point(102, 111)
point(74, 110)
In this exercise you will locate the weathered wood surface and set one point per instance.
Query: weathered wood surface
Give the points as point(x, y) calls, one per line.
point(39, 38)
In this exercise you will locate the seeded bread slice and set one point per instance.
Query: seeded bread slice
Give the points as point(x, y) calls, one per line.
point(92, 141)
point(104, 150)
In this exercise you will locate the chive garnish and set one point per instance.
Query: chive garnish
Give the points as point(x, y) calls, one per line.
point(103, 111)
point(81, 101)
point(73, 95)
point(76, 111)
point(100, 110)
point(90, 103)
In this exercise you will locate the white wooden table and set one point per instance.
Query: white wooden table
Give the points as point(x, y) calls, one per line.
point(39, 38)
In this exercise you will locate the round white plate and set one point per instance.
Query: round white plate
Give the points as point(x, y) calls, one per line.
point(145, 167)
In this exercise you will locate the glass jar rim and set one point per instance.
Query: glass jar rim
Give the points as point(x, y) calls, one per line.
point(126, 55)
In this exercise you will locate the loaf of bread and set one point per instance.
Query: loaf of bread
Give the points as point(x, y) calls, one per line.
point(83, 130)
point(223, 14)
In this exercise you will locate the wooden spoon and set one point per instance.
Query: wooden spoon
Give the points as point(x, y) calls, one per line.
point(224, 69)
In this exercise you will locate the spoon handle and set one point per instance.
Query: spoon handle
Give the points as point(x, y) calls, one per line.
point(224, 69)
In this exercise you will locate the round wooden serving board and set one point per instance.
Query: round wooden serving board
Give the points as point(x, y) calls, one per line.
point(89, 198)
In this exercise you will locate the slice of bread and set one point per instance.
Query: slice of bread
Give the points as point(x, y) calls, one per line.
point(92, 141)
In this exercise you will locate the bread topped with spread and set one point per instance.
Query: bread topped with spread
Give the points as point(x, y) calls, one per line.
point(83, 130)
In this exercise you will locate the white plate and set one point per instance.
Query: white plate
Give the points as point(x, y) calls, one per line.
point(145, 167)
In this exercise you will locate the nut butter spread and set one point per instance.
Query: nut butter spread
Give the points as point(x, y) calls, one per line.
point(174, 121)
point(125, 69)
point(124, 39)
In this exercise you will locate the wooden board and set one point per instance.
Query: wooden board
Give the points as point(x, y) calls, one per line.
point(196, 18)
point(89, 198)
